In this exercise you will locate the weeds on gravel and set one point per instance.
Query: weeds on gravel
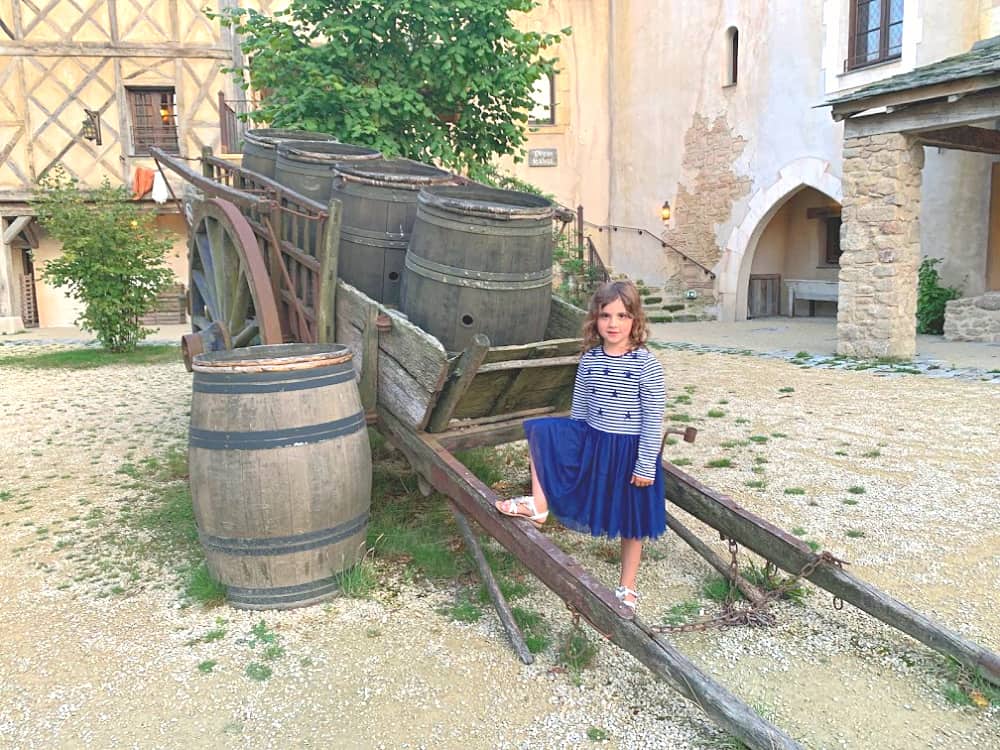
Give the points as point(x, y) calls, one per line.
point(963, 687)
point(679, 614)
point(464, 610)
point(576, 652)
point(88, 358)
point(596, 734)
point(535, 629)
point(680, 461)
point(719, 463)
point(794, 491)
point(359, 580)
point(716, 413)
point(856, 490)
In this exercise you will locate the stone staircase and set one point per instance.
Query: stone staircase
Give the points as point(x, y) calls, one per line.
point(673, 303)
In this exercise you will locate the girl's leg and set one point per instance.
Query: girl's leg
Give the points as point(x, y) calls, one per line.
point(541, 502)
point(631, 556)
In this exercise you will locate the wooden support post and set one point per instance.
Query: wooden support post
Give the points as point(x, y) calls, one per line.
point(791, 554)
point(368, 383)
point(751, 592)
point(326, 303)
point(582, 593)
point(465, 372)
point(206, 167)
point(486, 576)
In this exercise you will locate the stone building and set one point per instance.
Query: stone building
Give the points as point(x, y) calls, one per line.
point(91, 86)
point(723, 110)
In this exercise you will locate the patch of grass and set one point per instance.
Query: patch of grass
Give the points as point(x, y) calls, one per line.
point(956, 696)
point(679, 417)
point(596, 734)
point(609, 552)
point(799, 531)
point(464, 611)
point(5, 495)
point(258, 672)
point(755, 484)
point(682, 613)
point(690, 388)
point(207, 666)
point(577, 651)
point(482, 462)
point(855, 533)
point(534, 628)
point(719, 463)
point(734, 443)
point(856, 490)
point(719, 589)
point(840, 453)
point(742, 420)
point(670, 440)
point(722, 401)
point(849, 501)
point(760, 460)
point(872, 454)
point(760, 577)
point(759, 439)
point(794, 491)
point(88, 358)
point(683, 398)
point(813, 545)
point(680, 461)
point(716, 413)
point(967, 688)
point(359, 580)
point(778, 435)
point(786, 389)
point(201, 587)
point(802, 355)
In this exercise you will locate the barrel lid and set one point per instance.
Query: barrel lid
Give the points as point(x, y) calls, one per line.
point(273, 136)
point(400, 173)
point(480, 200)
point(272, 358)
point(325, 152)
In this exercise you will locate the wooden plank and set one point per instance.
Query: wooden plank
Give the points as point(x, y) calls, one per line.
point(965, 138)
point(525, 364)
point(326, 304)
point(368, 384)
point(536, 387)
point(912, 96)
point(581, 591)
point(209, 187)
point(928, 116)
point(460, 377)
point(565, 320)
point(481, 397)
point(791, 554)
point(537, 350)
point(402, 395)
point(489, 431)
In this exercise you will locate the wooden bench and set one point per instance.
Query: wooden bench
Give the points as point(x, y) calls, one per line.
point(813, 290)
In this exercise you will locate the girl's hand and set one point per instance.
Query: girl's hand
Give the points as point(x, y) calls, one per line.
point(640, 481)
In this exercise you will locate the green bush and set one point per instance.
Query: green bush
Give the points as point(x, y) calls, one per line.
point(112, 260)
point(932, 298)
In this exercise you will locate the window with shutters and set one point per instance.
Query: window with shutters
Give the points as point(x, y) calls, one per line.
point(876, 32)
point(544, 97)
point(154, 119)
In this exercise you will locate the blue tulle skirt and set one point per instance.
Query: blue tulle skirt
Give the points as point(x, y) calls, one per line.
point(585, 474)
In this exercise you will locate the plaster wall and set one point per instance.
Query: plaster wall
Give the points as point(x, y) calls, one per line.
point(56, 309)
point(669, 68)
point(580, 134)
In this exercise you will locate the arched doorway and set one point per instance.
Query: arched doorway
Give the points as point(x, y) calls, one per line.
point(803, 184)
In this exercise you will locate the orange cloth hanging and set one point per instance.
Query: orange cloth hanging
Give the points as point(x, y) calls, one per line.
point(142, 182)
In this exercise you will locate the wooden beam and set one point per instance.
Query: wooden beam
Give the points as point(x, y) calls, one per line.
point(927, 116)
point(15, 228)
point(944, 90)
point(113, 50)
point(792, 554)
point(964, 138)
point(580, 590)
point(823, 213)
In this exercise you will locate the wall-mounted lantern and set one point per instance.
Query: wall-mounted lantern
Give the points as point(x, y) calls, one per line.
point(91, 127)
point(665, 212)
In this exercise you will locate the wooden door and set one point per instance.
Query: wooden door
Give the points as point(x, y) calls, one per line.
point(764, 297)
point(29, 300)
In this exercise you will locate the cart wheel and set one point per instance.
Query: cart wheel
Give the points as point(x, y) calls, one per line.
point(229, 283)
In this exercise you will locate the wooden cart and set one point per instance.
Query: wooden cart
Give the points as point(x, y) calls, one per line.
point(263, 269)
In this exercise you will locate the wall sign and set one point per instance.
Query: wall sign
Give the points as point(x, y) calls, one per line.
point(543, 157)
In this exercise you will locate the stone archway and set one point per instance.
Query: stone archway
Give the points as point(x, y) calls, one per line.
point(733, 269)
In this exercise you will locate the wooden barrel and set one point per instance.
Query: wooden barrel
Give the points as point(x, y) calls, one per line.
point(379, 206)
point(479, 261)
point(307, 167)
point(260, 144)
point(280, 470)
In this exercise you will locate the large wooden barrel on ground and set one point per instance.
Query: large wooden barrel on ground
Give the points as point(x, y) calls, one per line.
point(280, 470)
point(479, 261)
point(307, 167)
point(260, 146)
point(379, 206)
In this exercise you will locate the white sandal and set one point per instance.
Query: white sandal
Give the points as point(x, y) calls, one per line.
point(622, 591)
point(510, 507)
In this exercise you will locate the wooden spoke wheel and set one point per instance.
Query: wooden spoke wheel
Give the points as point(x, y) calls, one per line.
point(230, 291)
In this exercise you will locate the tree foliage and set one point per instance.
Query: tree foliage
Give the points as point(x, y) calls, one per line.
point(112, 260)
point(446, 81)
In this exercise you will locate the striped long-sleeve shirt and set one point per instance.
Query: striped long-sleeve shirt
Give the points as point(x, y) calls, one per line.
point(625, 395)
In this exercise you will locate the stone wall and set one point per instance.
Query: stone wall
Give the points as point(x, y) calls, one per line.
point(973, 319)
point(880, 239)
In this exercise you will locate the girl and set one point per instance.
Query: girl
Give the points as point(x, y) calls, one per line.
point(599, 470)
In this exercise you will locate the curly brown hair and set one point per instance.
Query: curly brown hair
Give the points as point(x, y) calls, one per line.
point(605, 295)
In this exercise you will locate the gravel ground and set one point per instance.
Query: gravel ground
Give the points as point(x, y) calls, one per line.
point(82, 669)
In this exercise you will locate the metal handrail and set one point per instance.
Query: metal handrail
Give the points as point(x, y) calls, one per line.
point(663, 243)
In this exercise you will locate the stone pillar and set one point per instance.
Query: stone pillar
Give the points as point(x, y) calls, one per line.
point(10, 315)
point(880, 239)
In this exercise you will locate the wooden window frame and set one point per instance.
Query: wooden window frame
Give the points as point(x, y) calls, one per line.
point(852, 62)
point(146, 124)
point(551, 119)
